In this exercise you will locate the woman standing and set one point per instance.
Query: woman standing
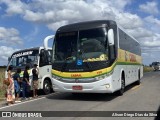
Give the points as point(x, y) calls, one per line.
point(35, 80)
point(10, 87)
point(17, 81)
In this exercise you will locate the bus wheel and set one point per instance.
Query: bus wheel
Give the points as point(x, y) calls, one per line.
point(121, 91)
point(138, 82)
point(47, 87)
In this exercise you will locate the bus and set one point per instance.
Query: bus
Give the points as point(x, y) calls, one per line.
point(38, 55)
point(95, 57)
point(156, 66)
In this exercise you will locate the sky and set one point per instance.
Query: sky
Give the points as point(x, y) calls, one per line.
point(25, 23)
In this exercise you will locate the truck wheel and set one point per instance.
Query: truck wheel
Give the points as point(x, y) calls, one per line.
point(47, 87)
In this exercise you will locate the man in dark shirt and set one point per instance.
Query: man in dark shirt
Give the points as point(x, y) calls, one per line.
point(25, 83)
point(35, 80)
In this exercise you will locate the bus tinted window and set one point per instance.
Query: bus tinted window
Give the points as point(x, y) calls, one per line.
point(128, 43)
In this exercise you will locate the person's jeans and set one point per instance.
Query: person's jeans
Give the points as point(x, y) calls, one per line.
point(25, 90)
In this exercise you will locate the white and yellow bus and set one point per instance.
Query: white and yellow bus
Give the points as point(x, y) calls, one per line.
point(95, 57)
point(28, 57)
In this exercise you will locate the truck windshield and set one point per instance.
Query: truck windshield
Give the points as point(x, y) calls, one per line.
point(24, 58)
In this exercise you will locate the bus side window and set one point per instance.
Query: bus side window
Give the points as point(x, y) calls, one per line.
point(43, 59)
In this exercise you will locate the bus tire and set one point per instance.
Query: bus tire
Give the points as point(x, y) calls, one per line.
point(121, 91)
point(138, 82)
point(47, 87)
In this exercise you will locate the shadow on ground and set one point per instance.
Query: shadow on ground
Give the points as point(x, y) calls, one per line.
point(158, 114)
point(87, 96)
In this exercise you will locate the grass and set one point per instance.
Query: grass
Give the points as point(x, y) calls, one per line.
point(2, 76)
point(147, 69)
point(2, 95)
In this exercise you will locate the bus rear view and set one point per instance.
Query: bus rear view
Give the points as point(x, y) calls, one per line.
point(87, 58)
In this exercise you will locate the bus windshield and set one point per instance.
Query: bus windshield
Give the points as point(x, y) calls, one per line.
point(65, 46)
point(24, 58)
point(86, 45)
point(156, 63)
point(93, 45)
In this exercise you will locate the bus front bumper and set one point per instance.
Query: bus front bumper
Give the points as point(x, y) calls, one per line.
point(101, 86)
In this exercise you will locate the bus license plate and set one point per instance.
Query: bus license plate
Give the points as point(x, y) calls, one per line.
point(77, 87)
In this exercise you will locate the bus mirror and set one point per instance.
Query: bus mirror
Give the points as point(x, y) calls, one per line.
point(46, 41)
point(111, 37)
point(9, 59)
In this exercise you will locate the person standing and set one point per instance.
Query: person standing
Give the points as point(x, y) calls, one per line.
point(17, 81)
point(35, 80)
point(25, 83)
point(10, 88)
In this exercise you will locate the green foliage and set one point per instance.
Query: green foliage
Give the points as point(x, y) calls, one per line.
point(2, 76)
point(147, 69)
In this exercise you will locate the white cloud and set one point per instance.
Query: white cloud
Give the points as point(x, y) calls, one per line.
point(49, 12)
point(118, 4)
point(57, 13)
point(55, 26)
point(150, 7)
point(150, 49)
point(129, 21)
point(140, 33)
point(155, 42)
point(6, 52)
point(10, 36)
point(152, 44)
point(14, 7)
point(152, 20)
point(32, 16)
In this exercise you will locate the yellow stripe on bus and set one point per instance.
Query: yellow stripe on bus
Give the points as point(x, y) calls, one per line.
point(124, 58)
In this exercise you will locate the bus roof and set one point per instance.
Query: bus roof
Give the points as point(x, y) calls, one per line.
point(85, 25)
point(28, 49)
point(36, 48)
point(91, 24)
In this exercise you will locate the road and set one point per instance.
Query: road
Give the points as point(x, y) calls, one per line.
point(144, 97)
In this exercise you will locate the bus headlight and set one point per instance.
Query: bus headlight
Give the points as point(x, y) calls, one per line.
point(107, 85)
point(103, 76)
point(100, 77)
point(56, 77)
